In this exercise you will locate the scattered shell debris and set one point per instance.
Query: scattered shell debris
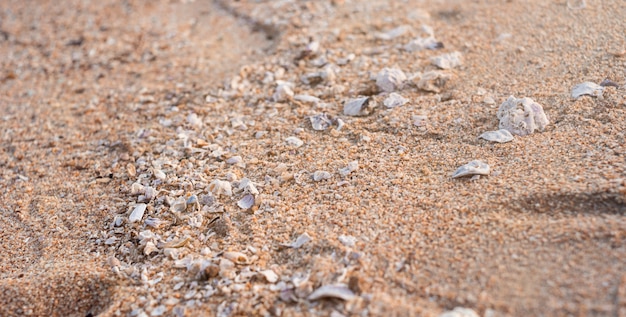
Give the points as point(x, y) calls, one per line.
point(394, 100)
point(351, 167)
point(339, 291)
point(472, 168)
point(522, 116)
point(448, 61)
point(359, 107)
point(500, 136)
point(587, 89)
point(283, 92)
point(390, 79)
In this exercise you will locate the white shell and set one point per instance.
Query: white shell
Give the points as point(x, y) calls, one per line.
point(394, 100)
point(500, 136)
point(321, 175)
point(587, 88)
point(236, 257)
point(194, 120)
point(358, 107)
point(179, 205)
point(459, 312)
point(475, 167)
point(522, 116)
point(422, 43)
point(348, 241)
point(234, 160)
point(150, 248)
point(283, 92)
point(320, 122)
point(137, 189)
point(352, 166)
point(393, 33)
point(339, 291)
point(247, 186)
point(270, 276)
point(293, 141)
point(137, 213)
point(159, 174)
point(390, 79)
point(307, 98)
point(447, 61)
point(219, 187)
point(246, 202)
point(300, 241)
point(433, 81)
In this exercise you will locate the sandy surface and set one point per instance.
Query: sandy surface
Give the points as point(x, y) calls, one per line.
point(111, 106)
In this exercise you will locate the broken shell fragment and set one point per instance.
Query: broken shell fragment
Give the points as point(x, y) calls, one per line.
point(358, 107)
point(390, 79)
point(307, 98)
point(247, 186)
point(321, 175)
point(246, 202)
point(352, 166)
point(150, 248)
point(293, 141)
point(522, 116)
point(394, 100)
point(236, 257)
point(179, 205)
point(219, 187)
point(475, 167)
point(433, 81)
point(447, 61)
point(423, 43)
point(320, 122)
point(269, 276)
point(300, 241)
point(283, 92)
point(137, 189)
point(587, 88)
point(500, 136)
point(459, 312)
point(339, 291)
point(234, 160)
point(137, 213)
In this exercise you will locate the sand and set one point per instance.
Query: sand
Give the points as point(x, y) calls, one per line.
point(107, 105)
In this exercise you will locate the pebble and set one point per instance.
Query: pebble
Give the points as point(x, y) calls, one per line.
point(587, 89)
point(475, 167)
point(394, 100)
point(522, 116)
point(500, 136)
point(137, 213)
point(447, 61)
point(390, 79)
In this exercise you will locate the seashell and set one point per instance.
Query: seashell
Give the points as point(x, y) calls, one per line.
point(320, 122)
point(393, 33)
point(587, 88)
point(248, 186)
point(358, 107)
point(293, 141)
point(394, 100)
point(433, 81)
point(154, 222)
point(459, 312)
point(219, 187)
point(351, 167)
point(423, 43)
point(237, 123)
point(207, 200)
point(283, 92)
point(179, 205)
point(390, 79)
point(137, 213)
point(184, 262)
point(300, 241)
point(340, 291)
point(175, 243)
point(447, 61)
point(171, 253)
point(321, 175)
point(236, 257)
point(234, 160)
point(419, 120)
point(269, 276)
point(246, 202)
point(131, 170)
point(137, 189)
point(500, 136)
point(522, 116)
point(475, 167)
point(159, 174)
point(307, 98)
point(150, 248)
point(227, 269)
point(194, 120)
point(348, 241)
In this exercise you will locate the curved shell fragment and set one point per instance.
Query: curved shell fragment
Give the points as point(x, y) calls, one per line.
point(246, 202)
point(339, 291)
point(500, 136)
point(137, 213)
point(358, 107)
point(475, 167)
point(587, 88)
point(394, 100)
point(320, 122)
point(447, 61)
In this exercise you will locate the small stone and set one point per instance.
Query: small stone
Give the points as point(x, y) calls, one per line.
point(390, 79)
point(137, 213)
point(447, 61)
point(394, 100)
point(500, 136)
point(293, 141)
point(587, 89)
point(475, 167)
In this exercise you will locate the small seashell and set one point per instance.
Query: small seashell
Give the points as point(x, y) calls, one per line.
point(339, 291)
point(423, 43)
point(194, 120)
point(137, 189)
point(131, 170)
point(433, 81)
point(154, 222)
point(307, 98)
point(283, 92)
point(246, 202)
point(351, 167)
point(293, 141)
point(587, 88)
point(159, 174)
point(150, 248)
point(394, 100)
point(137, 213)
point(219, 187)
point(269, 276)
point(348, 241)
point(207, 200)
point(234, 160)
point(300, 241)
point(358, 107)
point(321, 175)
point(393, 33)
point(447, 61)
point(522, 116)
point(459, 312)
point(247, 186)
point(320, 122)
point(179, 205)
point(237, 123)
point(500, 136)
point(175, 243)
point(475, 167)
point(236, 257)
point(390, 79)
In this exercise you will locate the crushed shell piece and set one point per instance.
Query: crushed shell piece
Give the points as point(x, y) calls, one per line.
point(394, 100)
point(150, 248)
point(137, 189)
point(236, 257)
point(179, 205)
point(283, 92)
point(175, 243)
point(358, 107)
point(300, 241)
point(390, 79)
point(194, 120)
point(234, 160)
point(269, 276)
point(293, 141)
point(393, 33)
point(320, 122)
point(459, 312)
point(447, 61)
point(339, 291)
point(522, 116)
point(433, 81)
point(220, 187)
point(423, 43)
point(246, 202)
point(348, 241)
point(587, 88)
point(307, 98)
point(352, 166)
point(500, 136)
point(475, 167)
point(321, 175)
point(137, 213)
point(158, 174)
point(247, 186)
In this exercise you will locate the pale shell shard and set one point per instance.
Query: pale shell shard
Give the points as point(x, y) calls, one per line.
point(300, 241)
point(348, 241)
point(179, 205)
point(269, 275)
point(307, 98)
point(321, 175)
point(246, 202)
point(194, 120)
point(433, 81)
point(339, 291)
point(137, 189)
point(358, 107)
point(394, 100)
point(475, 167)
point(522, 116)
point(351, 167)
point(236, 257)
point(247, 186)
point(293, 141)
point(393, 33)
point(459, 312)
point(500, 136)
point(283, 92)
point(447, 61)
point(220, 187)
point(159, 174)
point(234, 160)
point(390, 79)
point(587, 88)
point(150, 248)
point(423, 43)
point(320, 122)
point(137, 213)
